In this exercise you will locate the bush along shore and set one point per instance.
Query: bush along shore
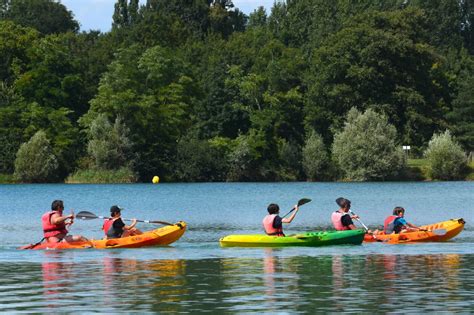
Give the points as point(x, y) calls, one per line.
point(198, 91)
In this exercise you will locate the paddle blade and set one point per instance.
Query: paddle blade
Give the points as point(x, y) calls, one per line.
point(86, 215)
point(303, 201)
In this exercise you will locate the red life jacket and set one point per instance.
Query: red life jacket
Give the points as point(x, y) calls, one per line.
point(50, 229)
point(268, 225)
point(388, 224)
point(108, 225)
point(336, 221)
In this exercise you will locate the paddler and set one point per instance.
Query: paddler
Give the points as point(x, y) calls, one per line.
point(273, 223)
point(115, 228)
point(55, 224)
point(341, 219)
point(396, 223)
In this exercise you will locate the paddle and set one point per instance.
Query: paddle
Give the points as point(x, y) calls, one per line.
point(86, 215)
point(301, 202)
point(365, 226)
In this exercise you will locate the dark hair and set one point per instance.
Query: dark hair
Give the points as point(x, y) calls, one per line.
point(115, 209)
point(273, 208)
point(343, 202)
point(398, 210)
point(57, 204)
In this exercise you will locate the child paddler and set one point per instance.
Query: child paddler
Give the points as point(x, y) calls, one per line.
point(115, 228)
point(273, 223)
point(396, 223)
point(341, 219)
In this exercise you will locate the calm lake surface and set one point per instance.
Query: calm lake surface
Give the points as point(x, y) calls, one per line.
point(196, 275)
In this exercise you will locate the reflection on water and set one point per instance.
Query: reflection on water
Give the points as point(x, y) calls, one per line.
point(377, 283)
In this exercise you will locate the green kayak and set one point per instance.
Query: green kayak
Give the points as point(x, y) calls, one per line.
point(303, 239)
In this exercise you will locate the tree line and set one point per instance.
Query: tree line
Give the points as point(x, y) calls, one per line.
point(198, 91)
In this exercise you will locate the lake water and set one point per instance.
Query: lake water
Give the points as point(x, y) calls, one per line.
point(196, 275)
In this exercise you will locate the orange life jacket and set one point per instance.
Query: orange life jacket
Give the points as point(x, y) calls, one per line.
point(50, 229)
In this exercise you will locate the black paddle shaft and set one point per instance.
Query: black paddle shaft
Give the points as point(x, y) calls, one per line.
point(300, 203)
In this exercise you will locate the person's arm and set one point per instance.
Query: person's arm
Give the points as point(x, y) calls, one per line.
point(292, 216)
point(346, 220)
point(57, 219)
point(131, 226)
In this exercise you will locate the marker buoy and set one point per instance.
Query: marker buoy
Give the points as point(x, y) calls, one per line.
point(155, 180)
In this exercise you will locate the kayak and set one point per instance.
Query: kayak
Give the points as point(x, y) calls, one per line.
point(324, 238)
point(437, 232)
point(158, 237)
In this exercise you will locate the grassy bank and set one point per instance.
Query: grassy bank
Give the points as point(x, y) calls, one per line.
point(7, 179)
point(121, 176)
point(419, 169)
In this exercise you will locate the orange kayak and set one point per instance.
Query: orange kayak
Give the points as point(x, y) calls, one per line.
point(437, 232)
point(158, 237)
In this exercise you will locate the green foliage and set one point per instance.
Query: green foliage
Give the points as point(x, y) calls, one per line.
point(199, 160)
point(153, 94)
point(367, 148)
point(290, 161)
point(35, 161)
point(7, 179)
point(315, 157)
point(94, 176)
point(109, 145)
point(445, 156)
point(208, 96)
point(379, 60)
point(47, 16)
point(14, 43)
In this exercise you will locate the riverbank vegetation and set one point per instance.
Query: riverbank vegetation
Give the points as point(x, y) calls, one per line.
point(198, 91)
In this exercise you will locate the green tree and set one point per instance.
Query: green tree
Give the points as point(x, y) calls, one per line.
point(198, 160)
point(315, 157)
point(47, 16)
point(461, 116)
point(109, 146)
point(153, 93)
point(379, 60)
point(14, 43)
point(35, 161)
point(445, 156)
point(367, 148)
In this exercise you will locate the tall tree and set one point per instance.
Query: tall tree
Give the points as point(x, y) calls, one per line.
point(47, 16)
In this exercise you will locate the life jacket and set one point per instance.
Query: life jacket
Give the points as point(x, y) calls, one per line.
point(50, 229)
point(388, 224)
point(268, 226)
point(336, 221)
point(108, 225)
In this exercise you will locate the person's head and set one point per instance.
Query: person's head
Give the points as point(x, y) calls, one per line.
point(344, 203)
point(115, 211)
point(57, 205)
point(273, 208)
point(399, 211)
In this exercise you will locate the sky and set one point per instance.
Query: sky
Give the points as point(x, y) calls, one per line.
point(97, 14)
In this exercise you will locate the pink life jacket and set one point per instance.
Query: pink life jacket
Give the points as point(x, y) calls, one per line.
point(268, 226)
point(50, 229)
point(336, 221)
point(388, 224)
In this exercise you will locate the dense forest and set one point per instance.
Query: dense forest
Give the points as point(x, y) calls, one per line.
point(195, 90)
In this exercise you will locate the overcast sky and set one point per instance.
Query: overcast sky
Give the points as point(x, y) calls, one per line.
point(97, 14)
